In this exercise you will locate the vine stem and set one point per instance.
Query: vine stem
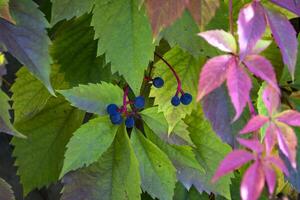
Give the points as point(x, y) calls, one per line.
point(231, 17)
point(125, 95)
point(179, 85)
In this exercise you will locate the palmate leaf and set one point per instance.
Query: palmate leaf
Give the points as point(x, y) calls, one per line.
point(114, 176)
point(30, 95)
point(66, 9)
point(210, 152)
point(124, 35)
point(79, 62)
point(40, 157)
point(28, 40)
point(94, 98)
point(6, 192)
point(187, 68)
point(5, 124)
point(88, 143)
point(158, 175)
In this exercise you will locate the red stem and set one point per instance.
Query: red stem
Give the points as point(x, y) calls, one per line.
point(179, 86)
point(124, 107)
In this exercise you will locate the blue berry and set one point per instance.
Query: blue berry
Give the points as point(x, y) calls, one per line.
point(186, 99)
point(129, 122)
point(139, 102)
point(158, 82)
point(116, 119)
point(112, 109)
point(175, 100)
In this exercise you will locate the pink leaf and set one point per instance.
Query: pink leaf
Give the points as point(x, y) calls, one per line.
point(276, 161)
point(285, 37)
point(290, 5)
point(270, 178)
point(253, 182)
point(251, 26)
point(254, 124)
point(220, 39)
point(239, 85)
point(213, 75)
point(252, 144)
point(271, 99)
point(287, 141)
point(232, 161)
point(290, 117)
point(262, 68)
point(270, 137)
point(260, 46)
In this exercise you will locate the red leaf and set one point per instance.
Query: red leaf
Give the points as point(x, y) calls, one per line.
point(276, 161)
point(232, 161)
point(270, 137)
point(253, 182)
point(239, 85)
point(271, 98)
point(252, 144)
point(270, 178)
point(262, 68)
point(290, 117)
point(251, 26)
point(285, 37)
point(213, 75)
point(220, 39)
point(254, 124)
point(290, 5)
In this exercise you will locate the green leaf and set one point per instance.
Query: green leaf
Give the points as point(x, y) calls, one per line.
point(189, 170)
point(6, 192)
point(66, 9)
point(183, 32)
point(79, 62)
point(88, 143)
point(94, 98)
point(5, 125)
point(114, 176)
point(40, 157)
point(158, 175)
point(125, 36)
point(28, 40)
point(181, 193)
point(30, 95)
point(261, 108)
point(210, 152)
point(187, 68)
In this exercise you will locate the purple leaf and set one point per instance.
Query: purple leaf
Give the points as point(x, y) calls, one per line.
point(213, 75)
point(276, 161)
point(262, 68)
point(287, 141)
point(290, 117)
point(232, 161)
point(270, 138)
point(270, 178)
point(239, 86)
point(253, 182)
point(285, 37)
point(254, 124)
point(271, 98)
point(252, 144)
point(251, 26)
point(220, 39)
point(290, 5)
point(260, 46)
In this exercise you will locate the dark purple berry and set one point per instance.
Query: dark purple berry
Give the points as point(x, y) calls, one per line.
point(116, 119)
point(112, 109)
point(158, 82)
point(186, 99)
point(129, 122)
point(175, 101)
point(139, 102)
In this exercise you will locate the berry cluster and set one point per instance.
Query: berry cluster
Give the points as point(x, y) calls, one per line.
point(116, 113)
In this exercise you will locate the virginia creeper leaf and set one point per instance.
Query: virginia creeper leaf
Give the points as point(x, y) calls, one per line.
point(187, 68)
point(4, 11)
point(88, 143)
point(40, 157)
point(251, 27)
point(254, 124)
point(6, 192)
point(290, 117)
point(213, 75)
point(114, 176)
point(66, 9)
point(290, 5)
point(158, 175)
point(28, 40)
point(285, 37)
point(220, 39)
point(79, 63)
point(121, 24)
point(94, 98)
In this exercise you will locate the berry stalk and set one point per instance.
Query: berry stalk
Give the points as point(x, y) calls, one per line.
point(124, 107)
point(179, 85)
